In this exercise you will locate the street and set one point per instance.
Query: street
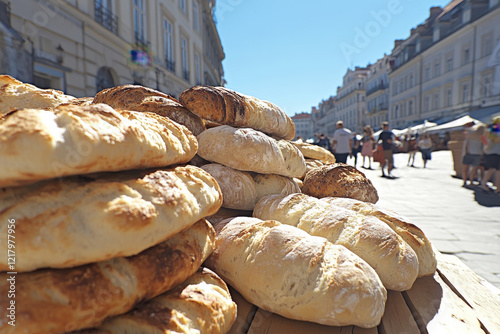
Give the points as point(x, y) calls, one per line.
point(459, 221)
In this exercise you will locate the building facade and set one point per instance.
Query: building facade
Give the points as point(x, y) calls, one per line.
point(304, 125)
point(377, 92)
point(81, 47)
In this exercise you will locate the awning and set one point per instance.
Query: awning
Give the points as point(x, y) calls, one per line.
point(486, 114)
point(454, 125)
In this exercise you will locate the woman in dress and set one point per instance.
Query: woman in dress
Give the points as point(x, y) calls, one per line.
point(367, 146)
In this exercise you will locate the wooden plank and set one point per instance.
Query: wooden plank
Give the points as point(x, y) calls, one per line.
point(397, 316)
point(245, 315)
point(438, 310)
point(482, 296)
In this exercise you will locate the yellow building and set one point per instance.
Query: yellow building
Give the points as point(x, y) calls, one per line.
point(83, 46)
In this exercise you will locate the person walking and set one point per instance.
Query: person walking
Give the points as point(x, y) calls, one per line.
point(412, 149)
point(356, 148)
point(425, 145)
point(386, 137)
point(324, 142)
point(492, 157)
point(367, 146)
point(343, 142)
point(474, 146)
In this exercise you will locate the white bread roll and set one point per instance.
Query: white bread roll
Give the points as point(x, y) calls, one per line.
point(15, 95)
point(61, 300)
point(315, 152)
point(242, 190)
point(201, 304)
point(226, 106)
point(37, 144)
point(284, 270)
point(410, 233)
point(250, 150)
point(392, 258)
point(64, 224)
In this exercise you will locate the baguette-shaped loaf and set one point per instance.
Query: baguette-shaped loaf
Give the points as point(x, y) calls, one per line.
point(242, 190)
point(284, 270)
point(228, 107)
point(201, 304)
point(15, 95)
point(392, 258)
point(250, 150)
point(315, 152)
point(410, 233)
point(139, 98)
point(37, 144)
point(61, 300)
point(75, 222)
point(339, 180)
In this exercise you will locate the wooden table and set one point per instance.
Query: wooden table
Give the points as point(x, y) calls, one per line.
point(454, 300)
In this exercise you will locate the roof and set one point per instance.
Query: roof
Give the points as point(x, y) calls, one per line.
point(302, 116)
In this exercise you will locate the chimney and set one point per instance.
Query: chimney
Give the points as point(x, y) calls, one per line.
point(435, 11)
point(398, 42)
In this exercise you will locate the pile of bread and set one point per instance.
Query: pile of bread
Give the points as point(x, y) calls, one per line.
point(133, 209)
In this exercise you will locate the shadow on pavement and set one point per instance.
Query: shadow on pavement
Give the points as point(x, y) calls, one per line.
point(488, 199)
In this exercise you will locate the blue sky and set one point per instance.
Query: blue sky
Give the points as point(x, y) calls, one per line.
point(295, 53)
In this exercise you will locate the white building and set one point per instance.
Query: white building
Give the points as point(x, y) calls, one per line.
point(377, 92)
point(304, 125)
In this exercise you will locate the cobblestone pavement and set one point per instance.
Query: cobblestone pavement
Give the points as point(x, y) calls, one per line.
point(460, 221)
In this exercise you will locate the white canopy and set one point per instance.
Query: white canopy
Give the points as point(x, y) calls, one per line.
point(454, 125)
point(420, 128)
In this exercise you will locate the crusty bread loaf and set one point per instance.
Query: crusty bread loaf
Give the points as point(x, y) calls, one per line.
point(339, 180)
point(139, 98)
point(250, 150)
point(74, 222)
point(61, 300)
point(284, 270)
point(15, 95)
point(315, 152)
point(228, 107)
point(312, 164)
point(201, 304)
point(38, 144)
point(392, 258)
point(225, 213)
point(410, 233)
point(242, 190)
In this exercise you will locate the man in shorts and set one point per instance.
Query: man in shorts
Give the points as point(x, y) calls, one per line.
point(342, 139)
point(387, 139)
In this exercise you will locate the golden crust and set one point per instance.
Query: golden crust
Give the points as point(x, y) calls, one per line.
point(339, 180)
point(15, 95)
point(74, 222)
point(315, 152)
point(37, 144)
point(139, 98)
point(225, 106)
point(61, 300)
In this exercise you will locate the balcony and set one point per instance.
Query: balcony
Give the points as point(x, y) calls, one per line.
point(106, 18)
point(170, 65)
point(140, 41)
point(380, 86)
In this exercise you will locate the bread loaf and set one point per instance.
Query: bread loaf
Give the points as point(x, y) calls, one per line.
point(60, 300)
point(392, 258)
point(250, 150)
point(139, 98)
point(284, 270)
point(15, 95)
point(64, 224)
point(201, 304)
point(38, 144)
point(242, 190)
point(410, 233)
point(339, 180)
point(225, 213)
point(228, 107)
point(315, 152)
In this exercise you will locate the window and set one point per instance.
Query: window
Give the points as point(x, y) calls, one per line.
point(449, 64)
point(168, 41)
point(196, 16)
point(427, 103)
point(466, 59)
point(435, 101)
point(427, 73)
point(184, 54)
point(182, 4)
point(486, 85)
point(197, 69)
point(139, 31)
point(486, 45)
point(448, 97)
point(465, 92)
point(411, 80)
point(410, 107)
point(103, 13)
point(437, 69)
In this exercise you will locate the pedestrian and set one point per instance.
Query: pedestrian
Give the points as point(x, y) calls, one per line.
point(324, 142)
point(367, 146)
point(425, 146)
point(412, 149)
point(356, 148)
point(474, 146)
point(386, 137)
point(343, 142)
point(492, 156)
